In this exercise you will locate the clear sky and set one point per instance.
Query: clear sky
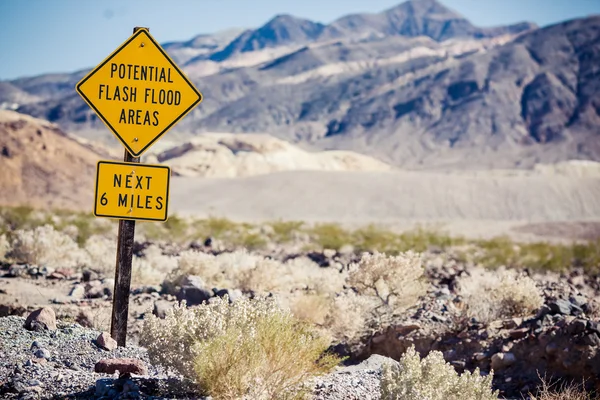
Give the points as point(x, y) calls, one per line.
point(41, 36)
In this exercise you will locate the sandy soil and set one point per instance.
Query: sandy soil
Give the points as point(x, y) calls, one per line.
point(479, 205)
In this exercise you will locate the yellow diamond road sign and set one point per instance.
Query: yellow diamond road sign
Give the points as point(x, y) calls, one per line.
point(139, 92)
point(132, 191)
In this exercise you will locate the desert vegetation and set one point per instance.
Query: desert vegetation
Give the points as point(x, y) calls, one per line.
point(264, 309)
point(490, 253)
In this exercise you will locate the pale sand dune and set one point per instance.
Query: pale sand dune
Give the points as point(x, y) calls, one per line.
point(226, 155)
point(482, 205)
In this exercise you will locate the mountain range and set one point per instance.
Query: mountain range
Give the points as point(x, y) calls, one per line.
point(417, 86)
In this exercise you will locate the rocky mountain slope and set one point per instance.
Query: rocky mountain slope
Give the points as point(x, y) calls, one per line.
point(416, 85)
point(42, 166)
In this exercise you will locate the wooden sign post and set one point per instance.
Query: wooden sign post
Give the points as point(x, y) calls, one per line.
point(139, 93)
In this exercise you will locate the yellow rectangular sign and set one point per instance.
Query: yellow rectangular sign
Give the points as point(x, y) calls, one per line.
point(139, 92)
point(132, 191)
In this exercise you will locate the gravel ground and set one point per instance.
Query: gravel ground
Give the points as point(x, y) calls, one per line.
point(358, 382)
point(67, 370)
point(60, 365)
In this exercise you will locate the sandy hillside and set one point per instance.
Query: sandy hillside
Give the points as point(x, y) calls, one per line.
point(226, 155)
point(40, 165)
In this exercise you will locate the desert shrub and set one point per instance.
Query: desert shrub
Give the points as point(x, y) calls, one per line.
point(330, 236)
point(238, 269)
point(248, 349)
point(214, 227)
point(490, 295)
point(46, 246)
point(283, 231)
point(373, 238)
point(4, 246)
point(542, 256)
point(102, 254)
point(396, 281)
point(249, 272)
point(564, 391)
point(496, 252)
point(421, 239)
point(153, 267)
point(80, 226)
point(248, 239)
point(432, 378)
point(15, 218)
point(347, 315)
point(313, 308)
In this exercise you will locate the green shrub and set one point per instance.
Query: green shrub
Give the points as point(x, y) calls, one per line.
point(394, 282)
point(14, 218)
point(283, 231)
point(373, 238)
point(432, 378)
point(248, 349)
point(491, 295)
point(330, 236)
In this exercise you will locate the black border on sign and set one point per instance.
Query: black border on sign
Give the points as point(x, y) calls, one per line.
point(106, 60)
point(133, 165)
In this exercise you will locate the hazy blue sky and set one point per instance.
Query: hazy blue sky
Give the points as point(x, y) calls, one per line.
point(40, 36)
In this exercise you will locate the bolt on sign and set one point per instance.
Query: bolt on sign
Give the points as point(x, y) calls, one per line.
point(139, 92)
point(132, 191)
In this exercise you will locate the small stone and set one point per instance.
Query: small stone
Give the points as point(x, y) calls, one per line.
point(161, 307)
point(35, 345)
point(89, 275)
point(329, 253)
point(406, 329)
point(41, 319)
point(106, 342)
point(577, 326)
point(507, 347)
point(518, 333)
point(66, 272)
point(561, 307)
point(56, 275)
point(543, 311)
point(103, 386)
point(480, 356)
point(77, 292)
point(42, 353)
point(194, 291)
point(458, 364)
point(502, 360)
point(438, 318)
point(96, 292)
point(513, 323)
point(85, 318)
point(17, 270)
point(594, 326)
point(592, 339)
point(129, 386)
point(233, 294)
point(123, 365)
